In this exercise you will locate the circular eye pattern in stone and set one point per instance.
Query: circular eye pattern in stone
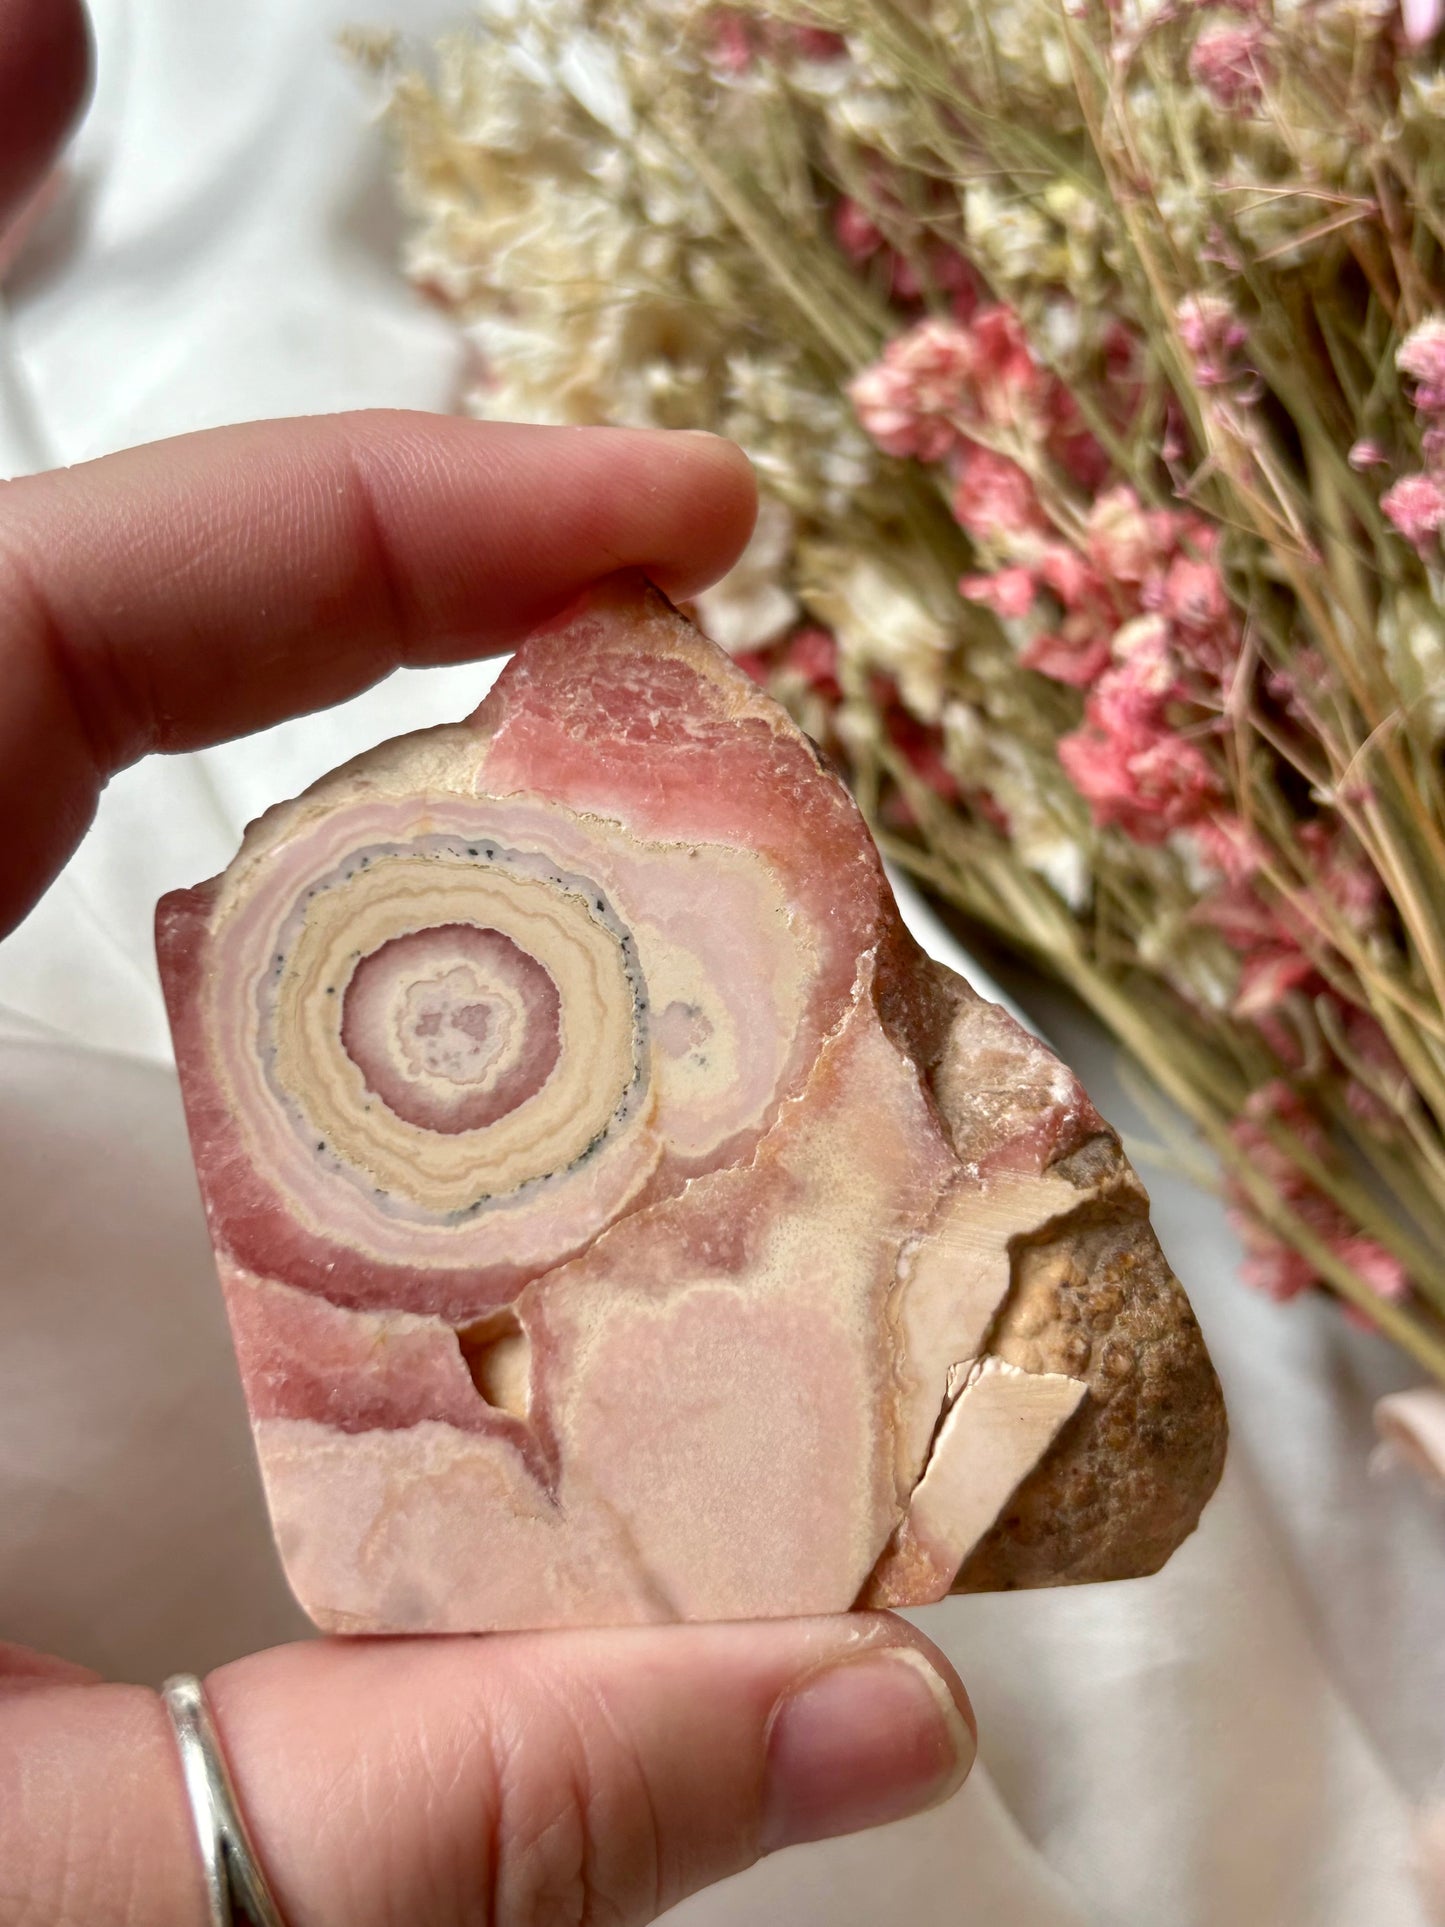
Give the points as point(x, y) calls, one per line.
point(446, 1025)
point(452, 1027)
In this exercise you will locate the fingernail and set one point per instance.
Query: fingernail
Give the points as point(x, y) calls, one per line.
point(861, 1743)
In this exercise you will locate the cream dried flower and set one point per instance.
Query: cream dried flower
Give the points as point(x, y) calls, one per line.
point(879, 622)
point(753, 604)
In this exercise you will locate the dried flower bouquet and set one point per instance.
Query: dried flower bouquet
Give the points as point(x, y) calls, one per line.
point(1092, 359)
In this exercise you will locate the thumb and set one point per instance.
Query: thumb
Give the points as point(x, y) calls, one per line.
point(500, 1782)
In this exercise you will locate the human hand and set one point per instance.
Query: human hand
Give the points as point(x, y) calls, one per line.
point(201, 588)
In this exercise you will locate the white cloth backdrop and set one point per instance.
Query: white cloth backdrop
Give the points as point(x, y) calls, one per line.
point(1237, 1743)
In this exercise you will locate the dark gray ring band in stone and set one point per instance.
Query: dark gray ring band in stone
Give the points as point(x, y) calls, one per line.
point(236, 1889)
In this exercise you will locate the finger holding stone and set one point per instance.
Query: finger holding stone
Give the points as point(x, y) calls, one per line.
point(498, 1782)
point(200, 588)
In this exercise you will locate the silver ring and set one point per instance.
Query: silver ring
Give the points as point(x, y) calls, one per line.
point(236, 1888)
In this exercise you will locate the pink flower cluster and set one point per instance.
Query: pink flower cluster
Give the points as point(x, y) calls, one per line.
point(1130, 760)
point(1271, 1265)
point(1136, 613)
point(1416, 503)
point(937, 269)
point(1228, 60)
point(1281, 987)
point(1138, 616)
point(941, 383)
point(739, 39)
point(951, 390)
point(807, 656)
point(808, 659)
point(1212, 335)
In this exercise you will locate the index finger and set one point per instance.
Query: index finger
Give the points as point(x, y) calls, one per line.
point(208, 586)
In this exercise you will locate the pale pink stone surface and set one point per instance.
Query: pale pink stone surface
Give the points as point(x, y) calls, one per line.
point(611, 1202)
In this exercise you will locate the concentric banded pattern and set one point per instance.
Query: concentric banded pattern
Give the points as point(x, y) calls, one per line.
point(448, 1023)
point(457, 1034)
point(452, 1027)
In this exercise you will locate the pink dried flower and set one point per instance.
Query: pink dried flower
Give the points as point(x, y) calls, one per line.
point(1282, 988)
point(1212, 335)
point(1008, 592)
point(1229, 845)
point(1080, 648)
point(910, 401)
point(1421, 356)
point(1253, 921)
point(1278, 1102)
point(812, 654)
point(1367, 1045)
point(1416, 506)
point(1229, 64)
point(818, 43)
point(1073, 578)
point(1366, 1039)
point(1380, 1269)
point(1194, 599)
point(1270, 1265)
point(857, 232)
point(939, 269)
point(737, 39)
point(1123, 539)
point(1078, 659)
point(1131, 766)
point(1204, 626)
point(921, 745)
point(1143, 576)
point(941, 382)
point(1208, 324)
point(1366, 454)
point(1004, 360)
point(1342, 872)
point(1148, 674)
point(1363, 1103)
point(1220, 250)
point(1420, 20)
point(1267, 977)
point(934, 267)
point(732, 47)
point(992, 496)
point(1300, 683)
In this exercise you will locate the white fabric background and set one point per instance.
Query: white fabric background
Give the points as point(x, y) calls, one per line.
point(1236, 1743)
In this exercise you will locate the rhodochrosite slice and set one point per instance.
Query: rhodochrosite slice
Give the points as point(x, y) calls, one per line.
point(620, 1219)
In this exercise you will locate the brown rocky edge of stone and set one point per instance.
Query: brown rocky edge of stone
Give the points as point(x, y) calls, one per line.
point(1091, 1295)
point(1125, 1481)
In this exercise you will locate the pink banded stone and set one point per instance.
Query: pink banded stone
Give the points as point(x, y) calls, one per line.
point(619, 1218)
point(451, 1027)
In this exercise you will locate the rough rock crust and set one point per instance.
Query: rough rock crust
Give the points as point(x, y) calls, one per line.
point(1093, 1297)
point(1126, 1480)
